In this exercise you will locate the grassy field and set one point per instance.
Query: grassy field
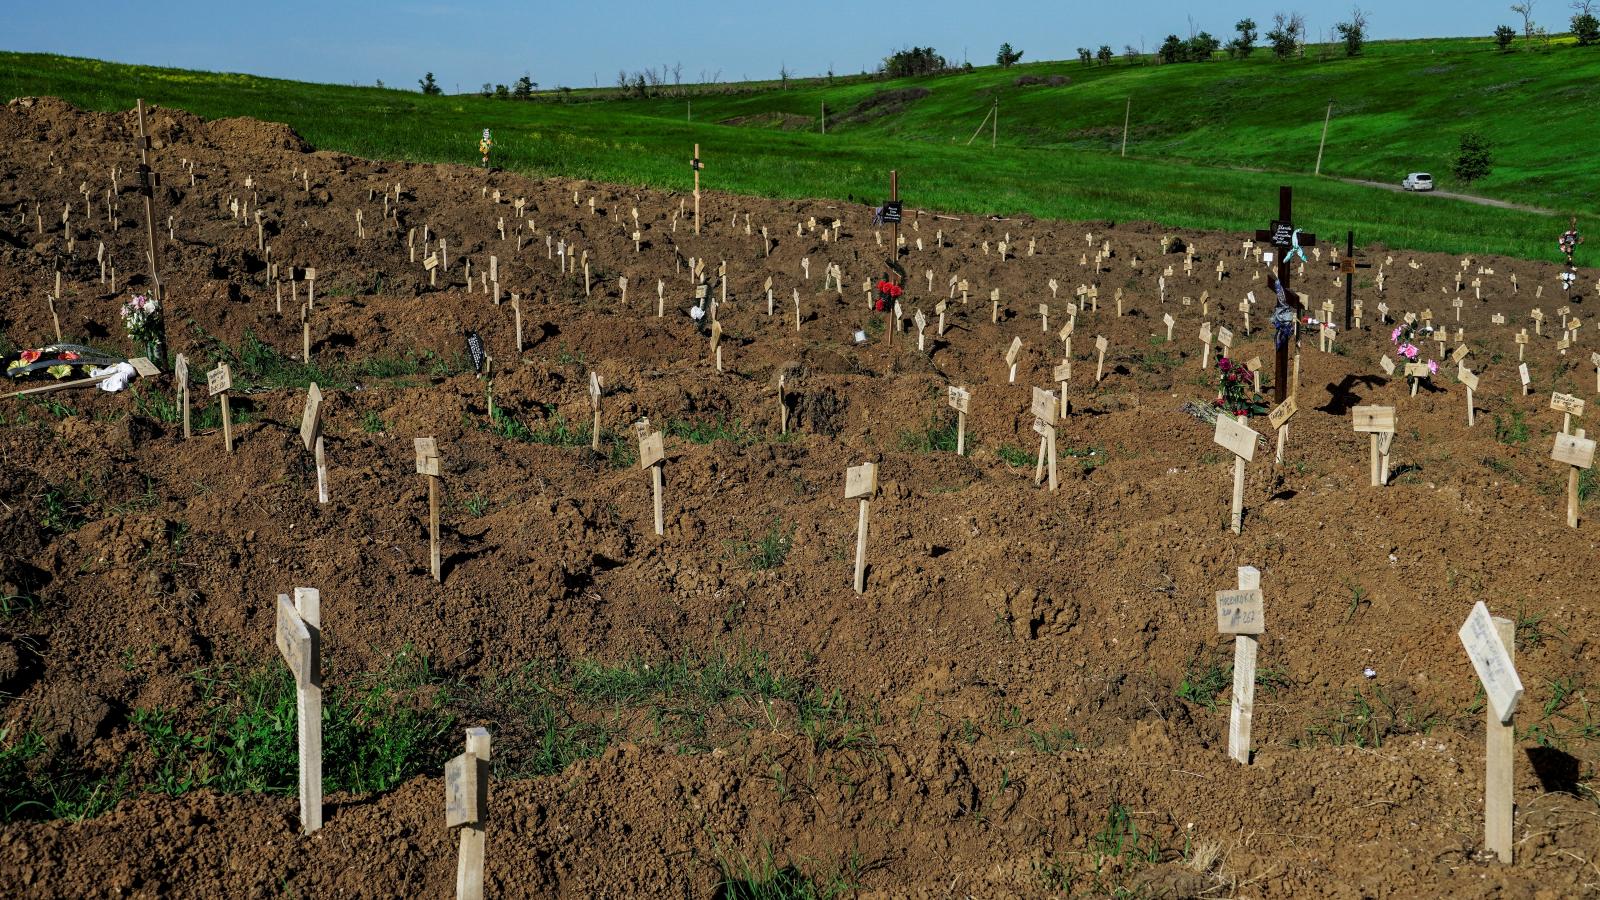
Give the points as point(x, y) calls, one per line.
point(1209, 143)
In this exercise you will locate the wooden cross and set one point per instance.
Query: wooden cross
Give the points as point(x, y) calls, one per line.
point(1348, 264)
point(466, 802)
point(299, 640)
point(1242, 613)
point(696, 165)
point(1280, 234)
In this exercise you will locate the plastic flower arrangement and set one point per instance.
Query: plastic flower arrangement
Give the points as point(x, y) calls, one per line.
point(1407, 338)
point(56, 360)
point(141, 318)
point(888, 293)
point(1234, 395)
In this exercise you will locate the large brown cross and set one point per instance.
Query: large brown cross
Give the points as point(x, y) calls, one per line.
point(1280, 234)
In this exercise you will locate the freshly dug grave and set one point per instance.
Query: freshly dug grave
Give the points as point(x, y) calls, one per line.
point(1029, 698)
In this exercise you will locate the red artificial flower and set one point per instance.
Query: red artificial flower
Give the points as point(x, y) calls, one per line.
point(68, 355)
point(30, 356)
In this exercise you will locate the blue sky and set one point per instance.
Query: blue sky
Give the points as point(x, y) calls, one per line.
point(580, 43)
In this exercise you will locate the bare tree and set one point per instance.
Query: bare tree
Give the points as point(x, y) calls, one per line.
point(1525, 9)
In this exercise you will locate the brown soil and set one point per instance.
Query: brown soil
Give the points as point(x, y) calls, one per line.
point(994, 612)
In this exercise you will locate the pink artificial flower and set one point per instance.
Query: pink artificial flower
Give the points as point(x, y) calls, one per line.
point(1408, 351)
point(1433, 367)
point(1394, 335)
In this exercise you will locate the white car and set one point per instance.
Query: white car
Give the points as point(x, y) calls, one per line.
point(1418, 181)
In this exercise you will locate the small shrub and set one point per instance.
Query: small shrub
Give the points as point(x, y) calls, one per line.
point(1473, 158)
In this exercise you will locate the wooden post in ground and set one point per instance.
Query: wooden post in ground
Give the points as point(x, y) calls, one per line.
point(1242, 613)
point(1283, 237)
point(783, 404)
point(466, 803)
point(1379, 422)
point(1491, 644)
point(697, 165)
point(428, 467)
point(1127, 116)
point(299, 639)
point(960, 400)
point(1577, 452)
point(219, 381)
point(652, 455)
point(594, 400)
point(180, 373)
point(311, 437)
point(1239, 439)
point(1100, 345)
point(1044, 422)
point(1467, 377)
point(1279, 416)
point(148, 181)
point(861, 482)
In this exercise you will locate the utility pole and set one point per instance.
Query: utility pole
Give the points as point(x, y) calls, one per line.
point(1126, 116)
point(1324, 142)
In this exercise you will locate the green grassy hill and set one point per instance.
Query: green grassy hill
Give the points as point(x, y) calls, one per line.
point(1209, 142)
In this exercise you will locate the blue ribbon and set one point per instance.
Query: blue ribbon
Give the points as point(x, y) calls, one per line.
point(1294, 248)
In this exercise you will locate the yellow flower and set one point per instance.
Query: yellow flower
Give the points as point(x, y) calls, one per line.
point(60, 371)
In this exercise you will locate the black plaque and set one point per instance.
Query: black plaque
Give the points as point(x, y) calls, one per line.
point(475, 350)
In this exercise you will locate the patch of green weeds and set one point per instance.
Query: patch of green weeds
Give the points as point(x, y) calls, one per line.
point(1369, 718)
point(1016, 457)
point(1512, 432)
point(767, 551)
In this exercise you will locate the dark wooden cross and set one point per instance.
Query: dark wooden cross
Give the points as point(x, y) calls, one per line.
point(1280, 234)
point(1347, 267)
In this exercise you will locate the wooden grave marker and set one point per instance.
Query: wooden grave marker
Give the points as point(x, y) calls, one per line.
point(1286, 240)
point(180, 374)
point(219, 381)
point(466, 803)
point(427, 451)
point(1379, 422)
point(594, 401)
point(1490, 642)
point(311, 437)
point(1239, 439)
point(1568, 406)
point(1100, 345)
point(1577, 452)
point(1470, 380)
point(299, 638)
point(1043, 408)
point(652, 456)
point(1242, 613)
point(1013, 352)
point(861, 482)
point(960, 401)
point(1279, 417)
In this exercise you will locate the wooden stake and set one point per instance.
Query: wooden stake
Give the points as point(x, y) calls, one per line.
point(697, 165)
point(594, 400)
point(861, 482)
point(960, 400)
point(1242, 613)
point(1490, 642)
point(467, 804)
point(220, 381)
point(299, 640)
point(180, 374)
point(1237, 438)
point(652, 456)
point(311, 437)
point(1578, 453)
point(428, 466)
